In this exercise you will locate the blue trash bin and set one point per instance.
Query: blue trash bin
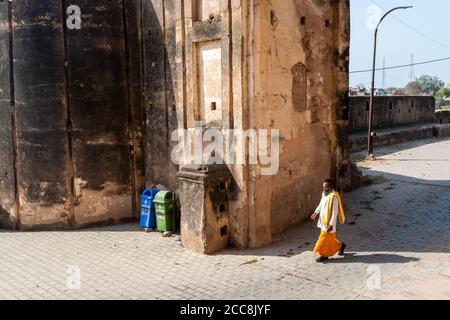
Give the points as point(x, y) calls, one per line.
point(148, 214)
point(148, 218)
point(147, 198)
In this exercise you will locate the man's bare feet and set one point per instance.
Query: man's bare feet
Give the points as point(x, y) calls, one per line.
point(322, 259)
point(342, 251)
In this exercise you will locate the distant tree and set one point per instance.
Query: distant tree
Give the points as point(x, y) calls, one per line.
point(443, 93)
point(439, 102)
point(399, 92)
point(361, 85)
point(425, 85)
point(392, 90)
point(413, 88)
point(443, 97)
point(430, 85)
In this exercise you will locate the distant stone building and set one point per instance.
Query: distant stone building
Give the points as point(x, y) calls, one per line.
point(396, 119)
point(88, 115)
point(391, 111)
point(443, 116)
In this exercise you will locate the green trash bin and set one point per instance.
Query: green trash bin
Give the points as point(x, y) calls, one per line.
point(164, 211)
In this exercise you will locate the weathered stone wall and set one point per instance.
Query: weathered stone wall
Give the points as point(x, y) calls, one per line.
point(85, 110)
point(70, 110)
point(299, 81)
point(159, 72)
point(8, 203)
point(253, 64)
point(443, 116)
point(393, 136)
point(391, 111)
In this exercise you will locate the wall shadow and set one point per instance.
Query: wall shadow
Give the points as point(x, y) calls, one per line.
point(403, 147)
point(372, 259)
point(395, 214)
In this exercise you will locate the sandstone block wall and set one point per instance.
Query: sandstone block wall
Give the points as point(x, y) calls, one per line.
point(253, 64)
point(391, 111)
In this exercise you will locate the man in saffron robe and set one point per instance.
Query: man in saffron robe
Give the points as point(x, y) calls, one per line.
point(329, 211)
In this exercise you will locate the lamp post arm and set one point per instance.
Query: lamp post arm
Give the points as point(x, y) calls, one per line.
point(372, 89)
point(390, 11)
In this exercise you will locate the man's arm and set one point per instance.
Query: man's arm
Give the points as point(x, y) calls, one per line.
point(316, 213)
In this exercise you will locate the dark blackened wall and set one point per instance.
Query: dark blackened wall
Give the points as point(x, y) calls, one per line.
point(40, 112)
point(99, 111)
point(70, 132)
point(135, 93)
point(7, 175)
point(390, 111)
point(158, 29)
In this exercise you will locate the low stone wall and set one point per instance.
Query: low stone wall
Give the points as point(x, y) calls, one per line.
point(442, 130)
point(396, 120)
point(443, 116)
point(391, 111)
point(358, 142)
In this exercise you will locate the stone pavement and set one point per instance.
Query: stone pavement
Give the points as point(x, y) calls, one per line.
point(398, 239)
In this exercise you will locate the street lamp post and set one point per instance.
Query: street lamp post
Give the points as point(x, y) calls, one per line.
point(372, 90)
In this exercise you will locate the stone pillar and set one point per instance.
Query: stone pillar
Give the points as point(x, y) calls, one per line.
point(204, 197)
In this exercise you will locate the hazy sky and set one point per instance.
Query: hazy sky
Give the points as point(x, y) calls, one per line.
point(397, 41)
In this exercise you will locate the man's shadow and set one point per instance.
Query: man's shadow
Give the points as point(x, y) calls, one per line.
point(371, 259)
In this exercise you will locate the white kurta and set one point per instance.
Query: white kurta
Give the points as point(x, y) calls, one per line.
point(321, 209)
